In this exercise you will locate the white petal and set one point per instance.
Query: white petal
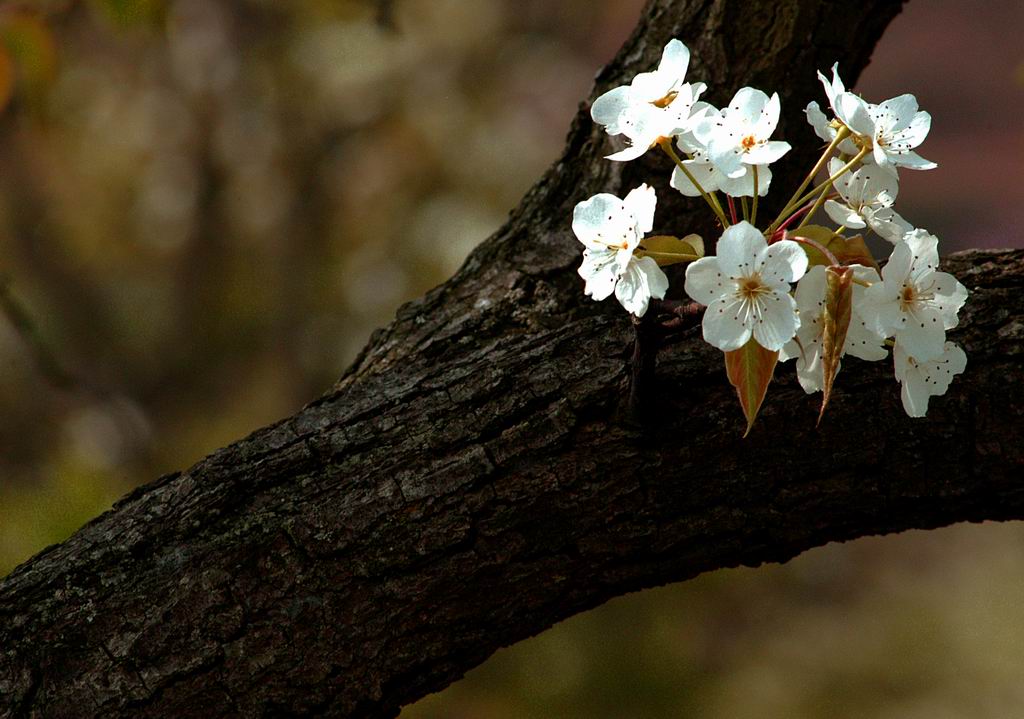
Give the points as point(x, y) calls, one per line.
point(897, 269)
point(835, 87)
point(724, 325)
point(887, 223)
point(609, 107)
point(706, 174)
point(948, 297)
point(809, 371)
point(640, 202)
point(778, 321)
point(599, 271)
point(726, 153)
point(816, 118)
point(766, 123)
point(705, 282)
point(782, 263)
point(843, 215)
point(630, 152)
point(913, 135)
point(912, 161)
point(923, 335)
point(914, 394)
point(810, 293)
point(738, 249)
point(862, 340)
point(641, 280)
point(743, 186)
point(675, 59)
point(853, 112)
point(878, 187)
point(923, 248)
point(748, 103)
point(650, 87)
point(881, 309)
point(895, 114)
point(597, 220)
point(766, 153)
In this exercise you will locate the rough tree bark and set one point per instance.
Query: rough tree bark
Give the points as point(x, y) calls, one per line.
point(478, 475)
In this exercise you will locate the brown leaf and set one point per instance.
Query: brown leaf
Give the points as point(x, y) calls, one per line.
point(835, 323)
point(750, 371)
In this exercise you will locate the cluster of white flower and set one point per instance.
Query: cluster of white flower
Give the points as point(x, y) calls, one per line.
point(841, 304)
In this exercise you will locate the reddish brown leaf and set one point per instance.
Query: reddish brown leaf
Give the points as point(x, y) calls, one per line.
point(750, 371)
point(835, 322)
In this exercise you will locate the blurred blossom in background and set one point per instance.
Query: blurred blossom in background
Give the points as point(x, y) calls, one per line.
point(207, 206)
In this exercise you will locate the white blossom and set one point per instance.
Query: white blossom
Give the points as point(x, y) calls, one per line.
point(842, 107)
point(915, 302)
point(737, 136)
point(922, 380)
point(610, 230)
point(704, 171)
point(746, 289)
point(891, 129)
point(868, 194)
point(654, 105)
point(862, 339)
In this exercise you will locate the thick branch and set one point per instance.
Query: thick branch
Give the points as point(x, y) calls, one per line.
point(478, 475)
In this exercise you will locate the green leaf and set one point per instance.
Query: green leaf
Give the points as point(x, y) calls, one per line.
point(667, 250)
point(750, 371)
point(835, 324)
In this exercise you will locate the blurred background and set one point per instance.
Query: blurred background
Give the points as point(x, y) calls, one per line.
point(206, 206)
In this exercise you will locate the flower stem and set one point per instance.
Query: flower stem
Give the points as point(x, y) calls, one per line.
point(732, 209)
point(753, 212)
point(794, 201)
point(824, 187)
point(666, 145)
point(746, 208)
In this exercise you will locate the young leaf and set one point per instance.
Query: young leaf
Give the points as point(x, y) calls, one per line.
point(835, 321)
point(750, 371)
point(855, 252)
point(667, 250)
point(847, 250)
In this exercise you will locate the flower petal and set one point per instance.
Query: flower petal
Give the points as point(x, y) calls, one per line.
point(706, 174)
point(923, 335)
point(748, 104)
point(853, 112)
point(640, 202)
point(599, 271)
point(641, 280)
point(816, 118)
point(724, 325)
point(675, 60)
point(894, 115)
point(743, 186)
point(887, 223)
point(739, 248)
point(843, 215)
point(912, 161)
point(705, 282)
point(609, 107)
point(782, 263)
point(766, 152)
point(778, 320)
point(597, 220)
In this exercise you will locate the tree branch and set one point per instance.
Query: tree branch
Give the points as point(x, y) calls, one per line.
point(477, 475)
